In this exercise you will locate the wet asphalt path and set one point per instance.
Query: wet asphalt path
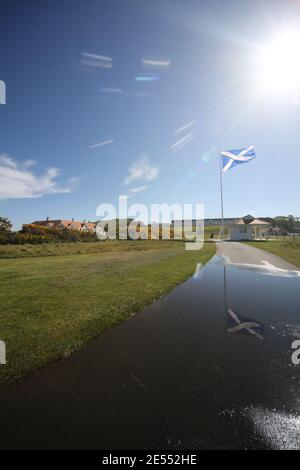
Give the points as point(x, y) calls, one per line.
point(246, 254)
point(178, 375)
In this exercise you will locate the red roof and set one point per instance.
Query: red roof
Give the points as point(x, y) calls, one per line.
point(76, 224)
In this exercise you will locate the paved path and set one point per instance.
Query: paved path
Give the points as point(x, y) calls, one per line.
point(243, 253)
point(174, 376)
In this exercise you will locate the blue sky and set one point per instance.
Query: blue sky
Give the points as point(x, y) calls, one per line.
point(62, 101)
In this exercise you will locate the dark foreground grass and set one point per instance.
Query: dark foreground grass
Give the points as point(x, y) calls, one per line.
point(288, 249)
point(52, 305)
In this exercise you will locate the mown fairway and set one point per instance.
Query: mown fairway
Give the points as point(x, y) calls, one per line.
point(288, 249)
point(51, 305)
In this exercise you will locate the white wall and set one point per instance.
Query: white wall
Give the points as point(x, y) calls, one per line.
point(241, 232)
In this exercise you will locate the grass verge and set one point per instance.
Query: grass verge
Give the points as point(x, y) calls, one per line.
point(52, 305)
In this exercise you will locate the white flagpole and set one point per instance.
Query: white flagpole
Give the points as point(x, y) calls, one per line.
point(221, 190)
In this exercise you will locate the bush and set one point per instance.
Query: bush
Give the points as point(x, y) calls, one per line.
point(5, 225)
point(37, 234)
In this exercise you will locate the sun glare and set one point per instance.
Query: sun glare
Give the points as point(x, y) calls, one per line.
point(280, 63)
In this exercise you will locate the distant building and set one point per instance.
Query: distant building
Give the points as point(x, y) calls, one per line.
point(227, 221)
point(277, 232)
point(82, 226)
point(248, 218)
point(248, 228)
point(206, 222)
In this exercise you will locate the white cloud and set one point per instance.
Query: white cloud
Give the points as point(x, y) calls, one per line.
point(137, 190)
point(16, 181)
point(28, 163)
point(141, 170)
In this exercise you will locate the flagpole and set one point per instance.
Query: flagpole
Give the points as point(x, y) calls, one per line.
point(221, 189)
point(225, 288)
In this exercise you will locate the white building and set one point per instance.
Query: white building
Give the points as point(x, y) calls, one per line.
point(247, 229)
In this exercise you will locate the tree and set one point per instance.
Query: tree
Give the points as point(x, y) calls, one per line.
point(291, 223)
point(5, 225)
point(286, 223)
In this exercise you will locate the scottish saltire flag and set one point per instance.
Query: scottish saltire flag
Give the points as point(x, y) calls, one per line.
point(231, 158)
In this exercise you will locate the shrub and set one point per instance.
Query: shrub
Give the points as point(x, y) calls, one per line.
point(5, 225)
point(38, 234)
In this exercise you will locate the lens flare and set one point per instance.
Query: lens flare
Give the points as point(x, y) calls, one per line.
point(280, 63)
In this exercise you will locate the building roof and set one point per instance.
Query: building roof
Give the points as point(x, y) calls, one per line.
point(238, 222)
point(247, 220)
point(259, 222)
point(65, 223)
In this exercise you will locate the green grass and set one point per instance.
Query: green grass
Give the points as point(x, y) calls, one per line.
point(52, 305)
point(70, 248)
point(288, 249)
point(209, 229)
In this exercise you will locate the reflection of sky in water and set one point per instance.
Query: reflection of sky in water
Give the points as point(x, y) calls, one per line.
point(266, 268)
point(263, 379)
point(280, 430)
point(258, 299)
